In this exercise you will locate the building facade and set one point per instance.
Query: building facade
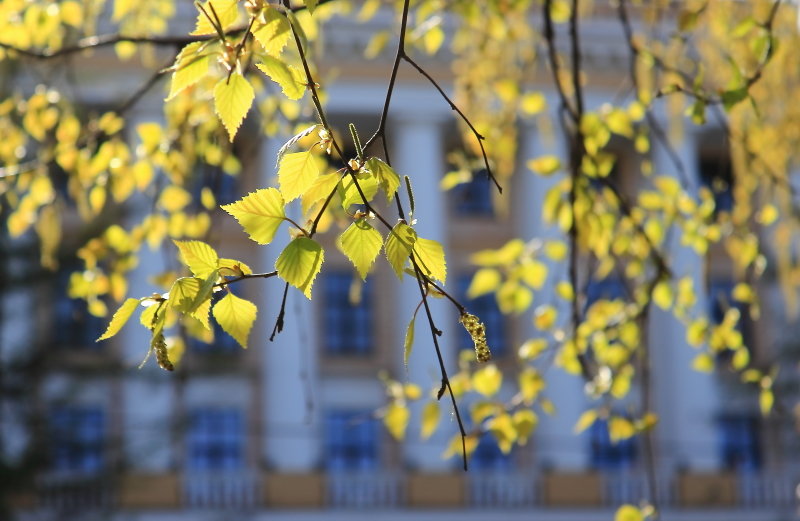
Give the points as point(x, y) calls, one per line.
point(286, 430)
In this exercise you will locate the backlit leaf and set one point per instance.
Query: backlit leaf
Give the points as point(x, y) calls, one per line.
point(408, 343)
point(260, 213)
point(201, 258)
point(226, 15)
point(388, 179)
point(235, 316)
point(190, 67)
point(545, 165)
point(296, 174)
point(487, 381)
point(430, 419)
point(396, 420)
point(290, 78)
point(398, 246)
point(430, 257)
point(299, 263)
point(120, 318)
point(360, 243)
point(274, 33)
point(232, 100)
point(586, 420)
point(485, 280)
point(628, 513)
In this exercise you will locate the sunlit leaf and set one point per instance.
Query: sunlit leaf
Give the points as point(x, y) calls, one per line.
point(299, 263)
point(396, 420)
point(398, 246)
point(361, 243)
point(235, 316)
point(232, 99)
point(430, 419)
point(199, 257)
point(260, 213)
point(585, 421)
point(487, 381)
point(120, 318)
point(296, 174)
point(408, 342)
point(290, 78)
point(430, 257)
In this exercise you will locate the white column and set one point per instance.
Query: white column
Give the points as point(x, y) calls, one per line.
point(418, 151)
point(556, 445)
point(687, 401)
point(147, 394)
point(288, 364)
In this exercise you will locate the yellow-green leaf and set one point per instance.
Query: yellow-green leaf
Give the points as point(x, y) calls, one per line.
point(485, 280)
point(703, 363)
point(299, 263)
point(319, 190)
point(192, 296)
point(662, 294)
point(398, 246)
point(232, 99)
point(533, 272)
point(311, 5)
point(628, 513)
point(524, 421)
point(190, 67)
point(388, 179)
point(586, 420)
point(274, 33)
point(396, 420)
point(236, 317)
point(620, 429)
point(545, 165)
point(369, 187)
point(765, 401)
point(430, 419)
point(226, 14)
point(260, 213)
point(430, 257)
point(296, 174)
point(487, 381)
point(531, 384)
point(408, 343)
point(120, 318)
point(201, 258)
point(360, 243)
point(290, 78)
point(532, 348)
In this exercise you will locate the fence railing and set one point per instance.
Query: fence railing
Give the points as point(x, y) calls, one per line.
point(497, 489)
point(224, 490)
point(365, 490)
point(74, 493)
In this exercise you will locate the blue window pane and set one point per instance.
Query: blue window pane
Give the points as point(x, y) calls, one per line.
point(486, 309)
point(215, 439)
point(74, 326)
point(78, 439)
point(351, 441)
point(347, 328)
point(716, 174)
point(488, 456)
point(610, 288)
point(606, 455)
point(475, 197)
point(739, 443)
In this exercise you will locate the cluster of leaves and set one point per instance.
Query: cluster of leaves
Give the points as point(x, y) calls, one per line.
point(719, 61)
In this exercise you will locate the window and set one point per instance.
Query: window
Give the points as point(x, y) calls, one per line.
point(739, 445)
point(488, 456)
point(351, 441)
point(486, 309)
point(78, 439)
point(610, 288)
point(607, 455)
point(215, 439)
point(347, 327)
point(716, 174)
point(74, 326)
point(474, 198)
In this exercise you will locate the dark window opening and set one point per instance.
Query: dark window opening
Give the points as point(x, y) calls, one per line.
point(351, 441)
point(347, 325)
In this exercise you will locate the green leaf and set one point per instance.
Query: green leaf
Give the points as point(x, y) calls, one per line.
point(311, 5)
point(545, 165)
point(291, 79)
point(296, 174)
point(120, 318)
point(628, 513)
point(388, 179)
point(430, 419)
point(226, 11)
point(487, 381)
point(360, 243)
point(430, 255)
point(398, 246)
point(319, 190)
point(260, 213)
point(408, 343)
point(731, 98)
point(369, 186)
point(299, 263)
point(396, 420)
point(484, 281)
point(236, 316)
point(201, 258)
point(190, 67)
point(274, 33)
point(586, 420)
point(192, 296)
point(232, 100)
